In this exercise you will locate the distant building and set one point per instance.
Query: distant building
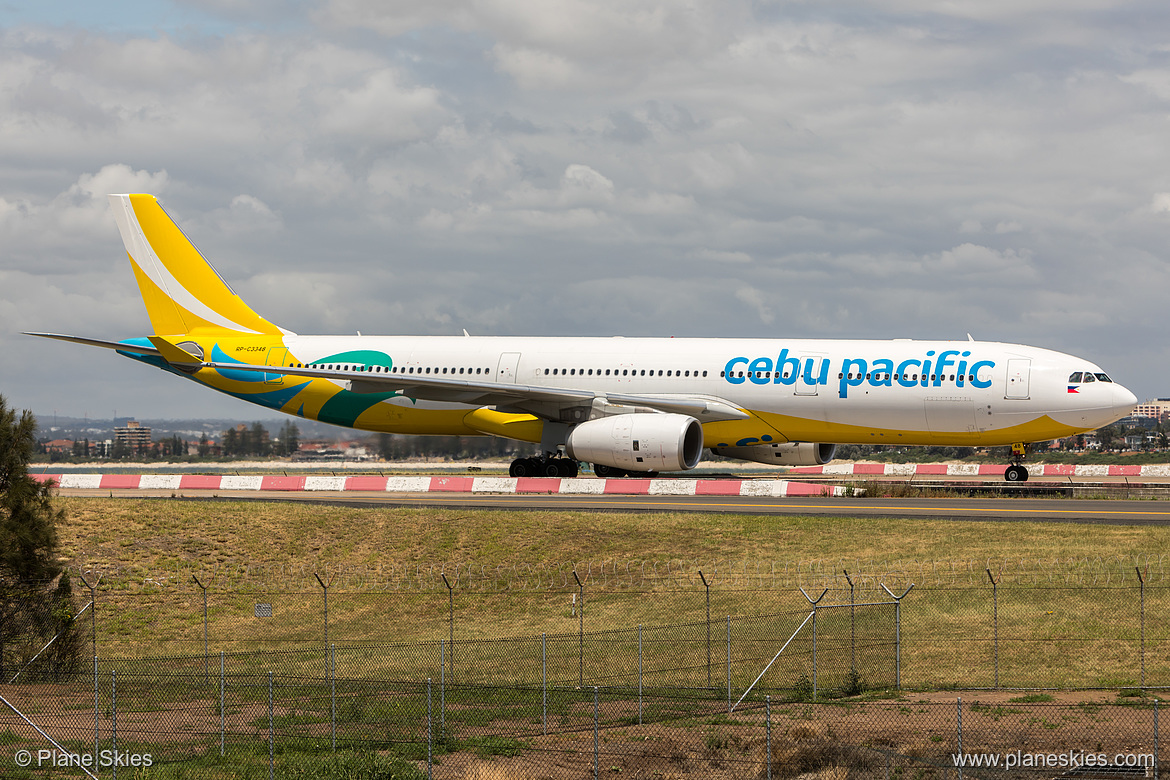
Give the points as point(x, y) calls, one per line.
point(1158, 410)
point(134, 436)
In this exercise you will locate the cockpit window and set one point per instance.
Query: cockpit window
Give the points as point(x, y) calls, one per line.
point(1103, 378)
point(1089, 378)
point(1075, 376)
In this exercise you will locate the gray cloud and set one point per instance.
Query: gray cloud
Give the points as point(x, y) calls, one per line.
point(647, 168)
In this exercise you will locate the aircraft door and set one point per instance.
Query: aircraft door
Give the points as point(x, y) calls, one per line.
point(277, 356)
point(811, 374)
point(509, 363)
point(1019, 372)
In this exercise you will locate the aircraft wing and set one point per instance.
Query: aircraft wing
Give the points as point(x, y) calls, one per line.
point(536, 399)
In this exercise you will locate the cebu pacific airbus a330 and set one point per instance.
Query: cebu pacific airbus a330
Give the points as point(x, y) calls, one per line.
point(626, 405)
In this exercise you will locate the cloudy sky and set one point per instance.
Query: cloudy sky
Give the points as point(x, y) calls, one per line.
point(885, 169)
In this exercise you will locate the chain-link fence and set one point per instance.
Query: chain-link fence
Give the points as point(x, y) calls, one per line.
point(167, 719)
point(993, 634)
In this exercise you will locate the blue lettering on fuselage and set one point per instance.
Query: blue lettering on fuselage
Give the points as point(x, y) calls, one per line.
point(931, 371)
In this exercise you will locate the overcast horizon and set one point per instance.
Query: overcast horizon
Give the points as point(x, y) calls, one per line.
point(901, 169)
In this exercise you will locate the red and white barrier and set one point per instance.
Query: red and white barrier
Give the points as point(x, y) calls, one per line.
point(983, 470)
point(770, 488)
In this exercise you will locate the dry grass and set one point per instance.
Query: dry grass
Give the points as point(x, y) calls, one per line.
point(159, 538)
point(152, 608)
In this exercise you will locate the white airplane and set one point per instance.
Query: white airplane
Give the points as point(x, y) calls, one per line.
point(627, 405)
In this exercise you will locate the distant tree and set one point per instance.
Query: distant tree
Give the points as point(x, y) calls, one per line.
point(1108, 437)
point(290, 438)
point(258, 441)
point(231, 442)
point(204, 446)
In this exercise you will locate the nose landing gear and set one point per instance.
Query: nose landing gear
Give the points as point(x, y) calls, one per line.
point(1017, 472)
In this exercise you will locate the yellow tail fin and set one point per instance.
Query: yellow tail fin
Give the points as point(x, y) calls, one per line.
point(182, 292)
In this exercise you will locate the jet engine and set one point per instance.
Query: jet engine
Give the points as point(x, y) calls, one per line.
point(638, 442)
point(786, 454)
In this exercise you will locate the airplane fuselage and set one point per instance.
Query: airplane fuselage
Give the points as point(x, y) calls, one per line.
point(833, 391)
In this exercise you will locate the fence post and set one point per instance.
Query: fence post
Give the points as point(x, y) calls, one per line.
point(580, 631)
point(595, 730)
point(852, 624)
point(222, 710)
point(333, 697)
point(729, 663)
point(1156, 761)
point(768, 710)
point(707, 585)
point(92, 600)
point(897, 631)
point(96, 710)
point(1142, 586)
point(814, 633)
point(995, 620)
point(640, 670)
point(114, 717)
point(450, 625)
point(959, 726)
point(543, 685)
point(430, 733)
point(204, 589)
point(270, 728)
point(325, 592)
point(442, 693)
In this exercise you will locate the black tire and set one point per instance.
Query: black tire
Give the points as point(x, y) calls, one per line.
point(551, 468)
point(1016, 474)
point(566, 468)
point(607, 472)
point(520, 467)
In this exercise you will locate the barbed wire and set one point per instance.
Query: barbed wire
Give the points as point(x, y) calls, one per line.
point(638, 574)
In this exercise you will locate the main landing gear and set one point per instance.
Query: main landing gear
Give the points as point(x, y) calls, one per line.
point(543, 467)
point(1017, 472)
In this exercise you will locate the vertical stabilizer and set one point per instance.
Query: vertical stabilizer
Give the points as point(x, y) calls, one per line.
point(182, 292)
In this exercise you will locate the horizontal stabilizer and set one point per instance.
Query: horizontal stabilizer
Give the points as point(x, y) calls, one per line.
point(118, 345)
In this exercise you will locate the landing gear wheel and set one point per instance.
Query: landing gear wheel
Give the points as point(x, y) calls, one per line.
point(522, 467)
point(551, 468)
point(1016, 473)
point(607, 472)
point(566, 468)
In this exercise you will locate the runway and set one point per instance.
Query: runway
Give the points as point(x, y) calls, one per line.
point(1115, 512)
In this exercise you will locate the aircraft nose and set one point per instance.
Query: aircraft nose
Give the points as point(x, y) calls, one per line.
point(1123, 401)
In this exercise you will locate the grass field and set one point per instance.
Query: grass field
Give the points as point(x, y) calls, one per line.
point(1064, 629)
point(164, 538)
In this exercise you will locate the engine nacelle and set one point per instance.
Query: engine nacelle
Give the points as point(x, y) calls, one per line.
point(786, 454)
point(638, 442)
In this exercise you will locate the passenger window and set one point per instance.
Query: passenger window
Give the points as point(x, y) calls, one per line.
point(688, 373)
point(704, 373)
point(607, 372)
